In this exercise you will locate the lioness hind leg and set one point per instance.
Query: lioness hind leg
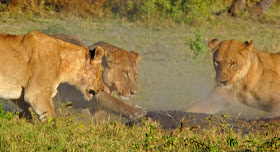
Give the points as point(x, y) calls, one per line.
point(110, 103)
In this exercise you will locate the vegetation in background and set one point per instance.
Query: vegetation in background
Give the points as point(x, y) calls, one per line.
point(259, 8)
point(197, 45)
point(187, 11)
point(176, 10)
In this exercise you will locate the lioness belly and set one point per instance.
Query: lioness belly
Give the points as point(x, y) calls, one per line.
point(9, 89)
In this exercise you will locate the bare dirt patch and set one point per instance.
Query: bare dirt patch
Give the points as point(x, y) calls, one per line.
point(199, 121)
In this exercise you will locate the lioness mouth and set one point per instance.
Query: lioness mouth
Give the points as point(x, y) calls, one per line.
point(124, 98)
point(226, 86)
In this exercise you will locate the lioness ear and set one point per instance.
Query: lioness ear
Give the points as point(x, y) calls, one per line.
point(136, 55)
point(109, 59)
point(98, 54)
point(107, 54)
point(213, 43)
point(249, 45)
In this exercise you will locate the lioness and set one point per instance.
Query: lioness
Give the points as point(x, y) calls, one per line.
point(242, 74)
point(120, 72)
point(39, 62)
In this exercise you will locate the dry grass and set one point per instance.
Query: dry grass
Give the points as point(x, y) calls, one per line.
point(70, 134)
point(82, 8)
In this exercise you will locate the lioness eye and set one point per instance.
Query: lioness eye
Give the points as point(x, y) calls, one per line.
point(232, 64)
point(126, 74)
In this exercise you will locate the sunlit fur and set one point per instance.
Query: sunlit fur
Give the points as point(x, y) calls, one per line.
point(243, 74)
point(120, 69)
point(120, 66)
point(38, 63)
point(120, 73)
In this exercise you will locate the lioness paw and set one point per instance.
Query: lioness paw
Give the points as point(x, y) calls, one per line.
point(137, 113)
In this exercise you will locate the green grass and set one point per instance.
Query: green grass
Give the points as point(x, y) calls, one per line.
point(70, 134)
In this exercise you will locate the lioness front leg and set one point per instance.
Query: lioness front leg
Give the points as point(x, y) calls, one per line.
point(110, 103)
point(42, 104)
point(208, 106)
point(274, 108)
point(216, 101)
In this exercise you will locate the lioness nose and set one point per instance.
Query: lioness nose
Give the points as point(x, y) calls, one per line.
point(132, 92)
point(92, 92)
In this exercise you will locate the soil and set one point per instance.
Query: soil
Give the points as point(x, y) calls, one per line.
point(197, 121)
point(170, 120)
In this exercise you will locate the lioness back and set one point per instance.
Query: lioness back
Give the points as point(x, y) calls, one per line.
point(70, 39)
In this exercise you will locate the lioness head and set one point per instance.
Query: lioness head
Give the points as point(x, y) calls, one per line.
point(230, 59)
point(121, 72)
point(90, 75)
point(120, 67)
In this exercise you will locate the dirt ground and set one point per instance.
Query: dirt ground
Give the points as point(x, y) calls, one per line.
point(169, 120)
point(198, 121)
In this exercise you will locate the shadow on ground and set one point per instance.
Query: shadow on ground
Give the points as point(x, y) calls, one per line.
point(198, 121)
point(170, 120)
